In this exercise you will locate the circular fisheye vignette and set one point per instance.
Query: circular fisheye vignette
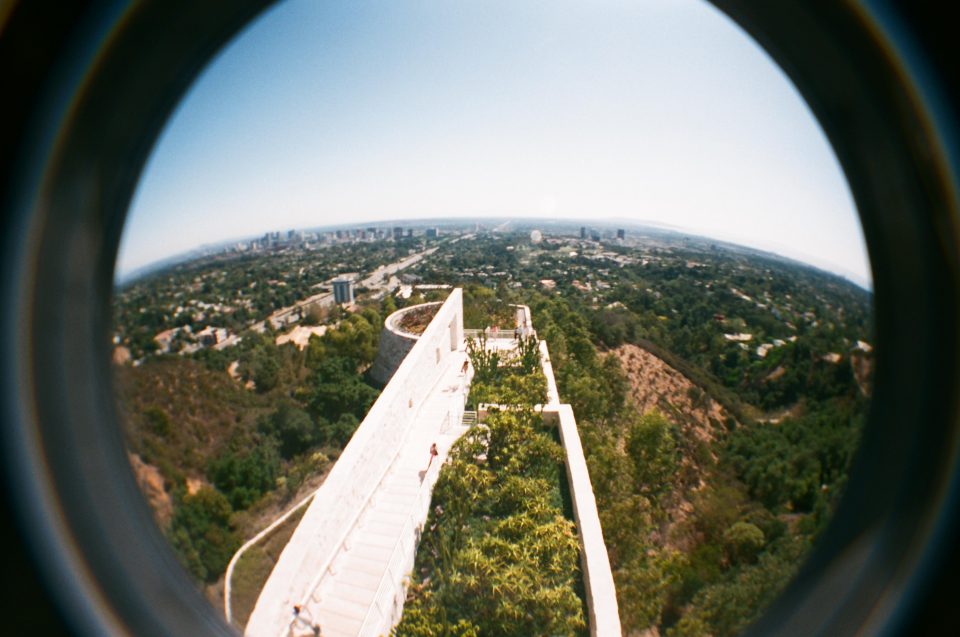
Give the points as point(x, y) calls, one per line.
point(890, 537)
point(72, 168)
point(533, 238)
point(892, 239)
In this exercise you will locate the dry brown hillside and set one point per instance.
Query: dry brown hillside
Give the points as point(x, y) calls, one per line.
point(698, 418)
point(151, 483)
point(656, 385)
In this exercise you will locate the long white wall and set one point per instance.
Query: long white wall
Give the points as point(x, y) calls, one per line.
point(595, 563)
point(353, 479)
point(553, 396)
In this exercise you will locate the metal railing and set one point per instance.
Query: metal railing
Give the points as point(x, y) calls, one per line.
point(227, 592)
point(339, 546)
point(384, 607)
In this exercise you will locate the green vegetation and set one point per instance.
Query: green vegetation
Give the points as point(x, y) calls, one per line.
point(751, 514)
point(703, 526)
point(483, 307)
point(498, 557)
point(512, 378)
point(704, 523)
point(246, 470)
point(222, 447)
point(336, 391)
point(201, 533)
point(801, 464)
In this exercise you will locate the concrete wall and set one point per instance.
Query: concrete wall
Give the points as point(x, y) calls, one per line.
point(601, 593)
point(332, 514)
point(553, 396)
point(395, 344)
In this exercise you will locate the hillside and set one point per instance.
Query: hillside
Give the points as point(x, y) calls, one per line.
point(697, 419)
point(179, 414)
point(223, 441)
point(706, 513)
point(656, 385)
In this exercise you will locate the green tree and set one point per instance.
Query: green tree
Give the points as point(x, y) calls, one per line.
point(355, 338)
point(743, 541)
point(266, 373)
point(528, 354)
point(202, 535)
point(158, 421)
point(291, 427)
point(244, 474)
point(338, 432)
point(501, 558)
point(337, 389)
point(486, 362)
point(514, 580)
point(726, 608)
point(643, 585)
point(653, 448)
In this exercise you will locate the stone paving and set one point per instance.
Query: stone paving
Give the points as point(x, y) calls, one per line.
point(348, 590)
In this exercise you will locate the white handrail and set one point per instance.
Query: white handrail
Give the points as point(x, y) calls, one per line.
point(227, 607)
point(311, 589)
point(408, 524)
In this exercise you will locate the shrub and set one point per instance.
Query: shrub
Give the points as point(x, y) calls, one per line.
point(243, 475)
point(158, 422)
point(653, 449)
point(291, 428)
point(743, 541)
point(201, 534)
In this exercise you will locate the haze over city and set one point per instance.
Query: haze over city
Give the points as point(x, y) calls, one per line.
point(355, 113)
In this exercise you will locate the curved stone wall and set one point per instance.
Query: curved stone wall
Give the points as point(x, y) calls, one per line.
point(395, 344)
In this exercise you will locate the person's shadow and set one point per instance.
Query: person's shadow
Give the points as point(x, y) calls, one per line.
point(422, 474)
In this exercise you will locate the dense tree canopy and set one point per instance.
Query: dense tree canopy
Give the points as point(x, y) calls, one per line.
point(499, 557)
point(201, 533)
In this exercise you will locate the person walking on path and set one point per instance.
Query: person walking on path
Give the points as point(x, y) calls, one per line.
point(299, 618)
point(433, 454)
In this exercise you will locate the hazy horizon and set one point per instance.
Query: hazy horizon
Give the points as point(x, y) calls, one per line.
point(607, 224)
point(335, 114)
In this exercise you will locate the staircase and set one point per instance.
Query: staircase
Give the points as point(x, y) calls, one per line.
point(469, 419)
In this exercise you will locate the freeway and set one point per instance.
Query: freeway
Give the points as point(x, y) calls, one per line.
point(382, 276)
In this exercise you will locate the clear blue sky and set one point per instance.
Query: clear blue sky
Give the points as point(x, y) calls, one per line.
point(346, 112)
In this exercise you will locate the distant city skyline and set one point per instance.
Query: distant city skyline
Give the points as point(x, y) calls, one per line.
point(661, 112)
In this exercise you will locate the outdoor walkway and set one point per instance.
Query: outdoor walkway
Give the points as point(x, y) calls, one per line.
point(350, 597)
